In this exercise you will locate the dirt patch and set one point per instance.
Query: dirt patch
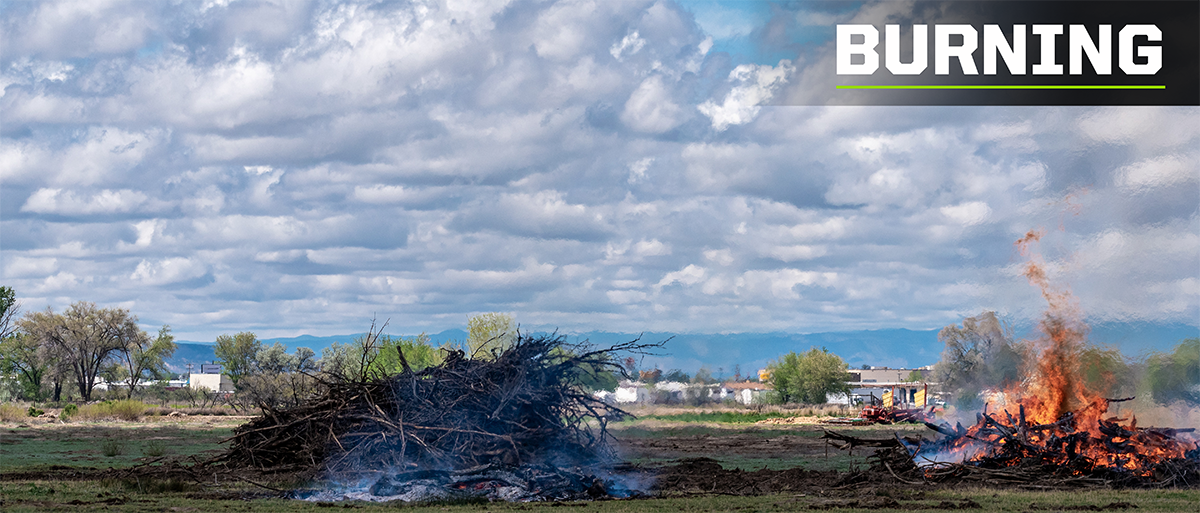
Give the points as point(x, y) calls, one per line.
point(706, 475)
point(745, 444)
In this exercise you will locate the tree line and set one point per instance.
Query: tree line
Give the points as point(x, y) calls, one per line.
point(47, 350)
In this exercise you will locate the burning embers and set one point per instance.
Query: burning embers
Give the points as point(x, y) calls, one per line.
point(1079, 444)
point(1052, 424)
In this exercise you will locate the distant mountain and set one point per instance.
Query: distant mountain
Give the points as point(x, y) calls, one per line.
point(748, 352)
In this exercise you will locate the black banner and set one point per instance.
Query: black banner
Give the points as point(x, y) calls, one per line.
point(1075, 53)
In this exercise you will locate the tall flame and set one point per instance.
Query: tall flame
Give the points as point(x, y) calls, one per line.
point(1055, 385)
point(1051, 416)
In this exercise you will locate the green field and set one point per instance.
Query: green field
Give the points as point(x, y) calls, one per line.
point(62, 467)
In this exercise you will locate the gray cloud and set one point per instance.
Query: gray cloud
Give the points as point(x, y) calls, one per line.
point(296, 167)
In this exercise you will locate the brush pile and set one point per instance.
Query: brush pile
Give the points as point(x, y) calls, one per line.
point(1081, 447)
point(522, 406)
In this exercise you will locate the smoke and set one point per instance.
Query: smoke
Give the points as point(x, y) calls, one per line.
point(980, 356)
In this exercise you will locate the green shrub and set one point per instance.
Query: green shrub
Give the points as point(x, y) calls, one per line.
point(154, 448)
point(125, 409)
point(68, 411)
point(11, 413)
point(112, 447)
point(128, 409)
point(34, 412)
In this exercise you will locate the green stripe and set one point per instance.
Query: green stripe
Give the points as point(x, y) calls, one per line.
point(1001, 87)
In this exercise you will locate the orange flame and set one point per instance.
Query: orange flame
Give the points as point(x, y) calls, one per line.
point(1052, 415)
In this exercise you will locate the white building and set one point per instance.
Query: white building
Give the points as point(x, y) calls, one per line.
point(211, 382)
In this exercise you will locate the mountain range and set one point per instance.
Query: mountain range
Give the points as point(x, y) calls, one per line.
point(727, 354)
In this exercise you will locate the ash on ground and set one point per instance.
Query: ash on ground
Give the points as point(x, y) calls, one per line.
point(526, 483)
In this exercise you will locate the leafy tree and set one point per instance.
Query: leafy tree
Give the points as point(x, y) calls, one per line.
point(417, 352)
point(238, 354)
point(592, 379)
point(676, 375)
point(9, 308)
point(979, 355)
point(808, 378)
point(20, 355)
point(143, 356)
point(1105, 371)
point(915, 376)
point(279, 379)
point(703, 376)
point(85, 337)
point(489, 333)
point(356, 361)
point(1176, 376)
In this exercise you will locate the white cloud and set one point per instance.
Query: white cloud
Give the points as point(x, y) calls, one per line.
point(755, 85)
point(796, 252)
point(651, 108)
point(629, 45)
point(287, 167)
point(58, 201)
point(168, 270)
point(652, 247)
point(967, 214)
point(22, 267)
point(690, 275)
point(1162, 171)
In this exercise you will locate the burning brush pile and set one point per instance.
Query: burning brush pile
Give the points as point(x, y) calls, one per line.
point(516, 427)
point(1050, 428)
point(1080, 447)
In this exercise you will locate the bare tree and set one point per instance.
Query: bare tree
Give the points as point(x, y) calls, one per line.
point(85, 337)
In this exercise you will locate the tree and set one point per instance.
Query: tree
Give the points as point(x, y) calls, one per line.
point(979, 355)
point(1106, 372)
point(489, 333)
point(84, 337)
point(1176, 376)
point(20, 355)
point(915, 376)
point(279, 379)
point(142, 355)
point(677, 376)
point(417, 351)
point(808, 378)
point(237, 354)
point(9, 308)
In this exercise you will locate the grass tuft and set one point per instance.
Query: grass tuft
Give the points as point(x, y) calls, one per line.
point(112, 447)
point(154, 448)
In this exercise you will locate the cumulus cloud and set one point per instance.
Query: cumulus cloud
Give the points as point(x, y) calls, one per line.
point(754, 85)
point(970, 213)
point(58, 201)
point(286, 167)
point(168, 270)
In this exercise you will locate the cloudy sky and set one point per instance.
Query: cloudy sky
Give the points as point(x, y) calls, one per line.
point(294, 167)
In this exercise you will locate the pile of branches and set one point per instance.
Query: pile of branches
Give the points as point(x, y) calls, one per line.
point(1009, 449)
point(522, 405)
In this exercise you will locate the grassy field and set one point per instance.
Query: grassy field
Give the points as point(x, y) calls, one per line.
point(35, 446)
point(96, 495)
point(37, 458)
